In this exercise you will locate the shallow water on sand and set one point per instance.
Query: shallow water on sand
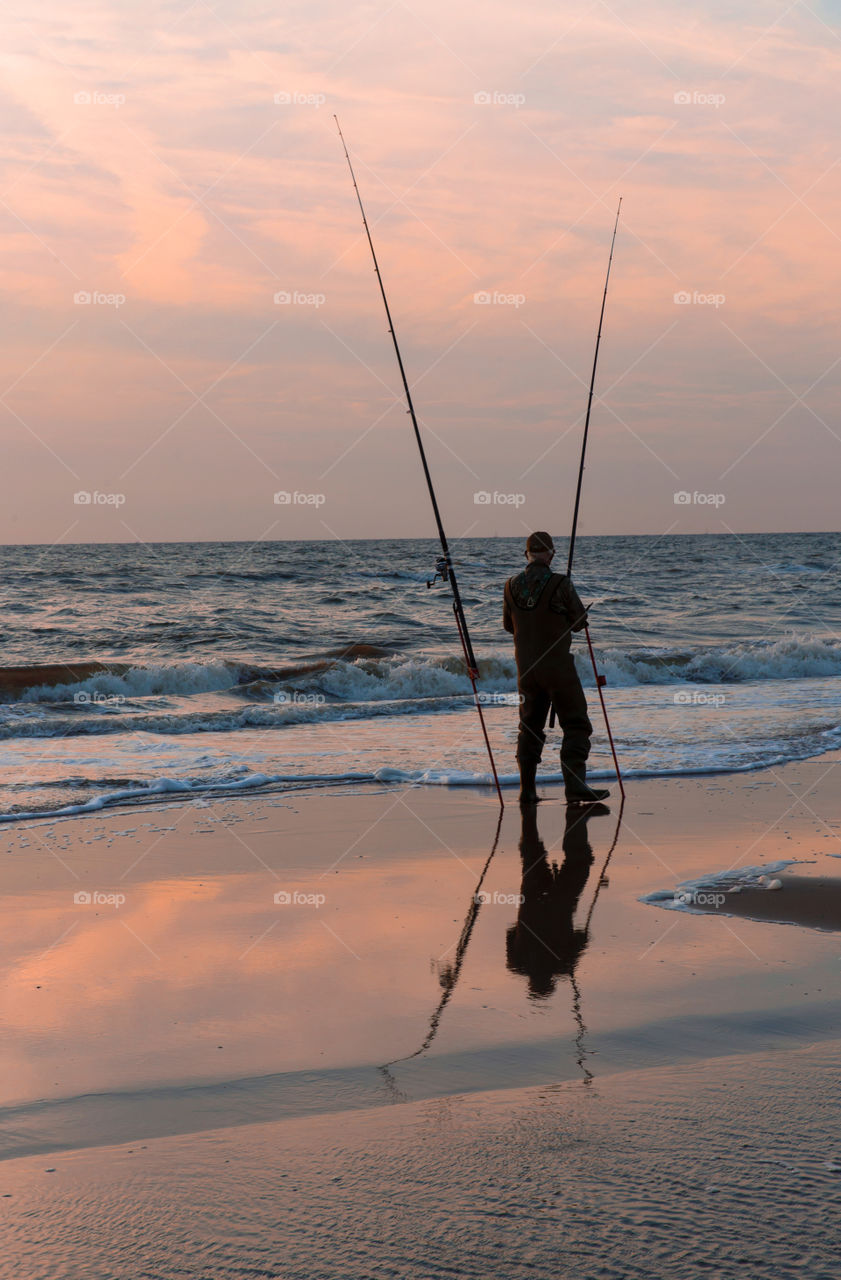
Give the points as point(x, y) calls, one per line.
point(262, 958)
point(381, 1034)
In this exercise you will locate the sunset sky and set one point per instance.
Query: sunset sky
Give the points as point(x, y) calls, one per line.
point(178, 164)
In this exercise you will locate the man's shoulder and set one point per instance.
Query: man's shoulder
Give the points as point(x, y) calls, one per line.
point(560, 598)
point(525, 589)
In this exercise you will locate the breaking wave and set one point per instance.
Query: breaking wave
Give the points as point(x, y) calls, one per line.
point(364, 681)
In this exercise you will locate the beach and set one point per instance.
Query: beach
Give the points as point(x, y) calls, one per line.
point(420, 642)
point(370, 1033)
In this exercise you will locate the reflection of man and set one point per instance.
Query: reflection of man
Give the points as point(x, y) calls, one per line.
point(541, 610)
point(544, 943)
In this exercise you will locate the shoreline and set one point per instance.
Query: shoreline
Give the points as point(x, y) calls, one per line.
point(199, 1002)
point(164, 794)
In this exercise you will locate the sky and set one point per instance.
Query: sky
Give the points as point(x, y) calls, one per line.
point(193, 343)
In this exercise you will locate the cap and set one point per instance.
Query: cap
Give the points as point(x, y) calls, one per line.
point(539, 542)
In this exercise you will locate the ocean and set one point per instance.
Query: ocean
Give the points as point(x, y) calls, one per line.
point(225, 667)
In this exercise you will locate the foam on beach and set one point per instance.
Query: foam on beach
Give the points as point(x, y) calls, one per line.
point(712, 892)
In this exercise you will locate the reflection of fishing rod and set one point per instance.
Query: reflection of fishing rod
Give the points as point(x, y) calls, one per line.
point(444, 565)
point(576, 990)
point(450, 975)
point(582, 1030)
point(601, 680)
point(601, 880)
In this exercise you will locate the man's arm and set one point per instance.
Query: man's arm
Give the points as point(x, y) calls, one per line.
point(577, 612)
point(507, 620)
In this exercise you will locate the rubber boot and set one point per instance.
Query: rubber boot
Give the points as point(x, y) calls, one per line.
point(528, 781)
point(575, 784)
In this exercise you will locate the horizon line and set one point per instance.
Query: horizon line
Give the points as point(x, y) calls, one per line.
point(495, 537)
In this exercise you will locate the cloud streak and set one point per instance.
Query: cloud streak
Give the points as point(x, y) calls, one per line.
point(188, 162)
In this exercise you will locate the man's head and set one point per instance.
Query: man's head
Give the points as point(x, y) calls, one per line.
point(539, 548)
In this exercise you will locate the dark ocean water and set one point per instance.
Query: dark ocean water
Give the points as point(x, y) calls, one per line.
point(227, 665)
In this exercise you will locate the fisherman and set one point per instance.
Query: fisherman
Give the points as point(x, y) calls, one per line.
point(541, 610)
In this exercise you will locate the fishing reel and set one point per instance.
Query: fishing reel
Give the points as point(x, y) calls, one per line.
point(442, 571)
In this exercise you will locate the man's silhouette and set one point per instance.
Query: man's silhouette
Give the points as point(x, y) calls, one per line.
point(541, 609)
point(544, 944)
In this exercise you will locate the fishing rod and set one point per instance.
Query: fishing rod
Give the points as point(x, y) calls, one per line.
point(444, 565)
point(590, 400)
point(601, 680)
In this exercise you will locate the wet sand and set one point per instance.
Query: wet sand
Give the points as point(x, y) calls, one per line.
point(675, 1171)
point(436, 1028)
